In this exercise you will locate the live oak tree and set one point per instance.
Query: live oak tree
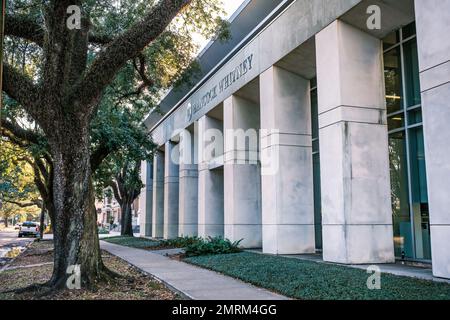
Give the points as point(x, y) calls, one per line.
point(75, 67)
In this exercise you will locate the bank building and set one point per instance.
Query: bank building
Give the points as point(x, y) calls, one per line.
point(346, 129)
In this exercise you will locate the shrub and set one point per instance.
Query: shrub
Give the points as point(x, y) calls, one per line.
point(212, 246)
point(103, 231)
point(181, 242)
point(133, 242)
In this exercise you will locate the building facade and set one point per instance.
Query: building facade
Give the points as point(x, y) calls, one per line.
point(320, 130)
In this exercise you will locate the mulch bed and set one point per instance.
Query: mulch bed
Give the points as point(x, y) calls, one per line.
point(134, 286)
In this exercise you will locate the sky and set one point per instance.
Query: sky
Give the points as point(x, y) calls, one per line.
point(230, 7)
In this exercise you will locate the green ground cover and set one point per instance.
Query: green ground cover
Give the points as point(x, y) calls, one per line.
point(311, 280)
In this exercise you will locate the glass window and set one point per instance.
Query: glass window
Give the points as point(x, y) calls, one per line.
point(391, 40)
point(409, 30)
point(406, 147)
point(393, 80)
point(419, 193)
point(399, 193)
point(412, 80)
point(396, 122)
point(314, 115)
point(313, 83)
point(316, 167)
point(415, 116)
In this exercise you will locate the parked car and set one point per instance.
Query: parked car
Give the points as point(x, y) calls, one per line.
point(29, 229)
point(17, 226)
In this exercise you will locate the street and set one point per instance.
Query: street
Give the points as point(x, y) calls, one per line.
point(10, 241)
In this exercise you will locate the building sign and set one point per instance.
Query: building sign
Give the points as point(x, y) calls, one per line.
point(242, 69)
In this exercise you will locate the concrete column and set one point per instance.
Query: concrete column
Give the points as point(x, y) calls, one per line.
point(287, 189)
point(188, 224)
point(171, 190)
point(434, 63)
point(158, 195)
point(210, 182)
point(146, 199)
point(354, 155)
point(242, 175)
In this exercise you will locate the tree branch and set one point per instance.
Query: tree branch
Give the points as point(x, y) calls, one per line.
point(25, 28)
point(21, 88)
point(33, 203)
point(123, 48)
point(115, 190)
point(26, 136)
point(101, 39)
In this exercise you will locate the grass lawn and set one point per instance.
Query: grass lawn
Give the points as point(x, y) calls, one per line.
point(147, 244)
point(310, 280)
point(139, 243)
point(35, 266)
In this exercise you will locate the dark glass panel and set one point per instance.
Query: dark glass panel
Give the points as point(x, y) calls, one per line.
point(419, 193)
point(412, 80)
point(391, 39)
point(415, 116)
point(317, 201)
point(393, 82)
point(396, 122)
point(409, 30)
point(316, 146)
point(316, 169)
point(314, 115)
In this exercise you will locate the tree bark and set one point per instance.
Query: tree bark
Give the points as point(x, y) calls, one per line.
point(127, 219)
point(75, 230)
point(41, 223)
point(6, 223)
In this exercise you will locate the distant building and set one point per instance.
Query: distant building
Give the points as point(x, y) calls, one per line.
point(108, 210)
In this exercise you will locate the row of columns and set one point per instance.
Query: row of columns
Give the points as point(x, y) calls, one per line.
point(276, 211)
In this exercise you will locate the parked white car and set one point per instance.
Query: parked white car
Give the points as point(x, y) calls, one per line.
point(29, 229)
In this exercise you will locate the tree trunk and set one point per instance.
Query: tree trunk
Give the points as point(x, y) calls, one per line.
point(75, 230)
point(127, 219)
point(41, 223)
point(6, 223)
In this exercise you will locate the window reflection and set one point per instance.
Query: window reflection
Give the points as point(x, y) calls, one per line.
point(392, 76)
point(399, 194)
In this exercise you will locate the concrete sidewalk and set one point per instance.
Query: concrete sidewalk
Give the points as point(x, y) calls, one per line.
point(193, 282)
